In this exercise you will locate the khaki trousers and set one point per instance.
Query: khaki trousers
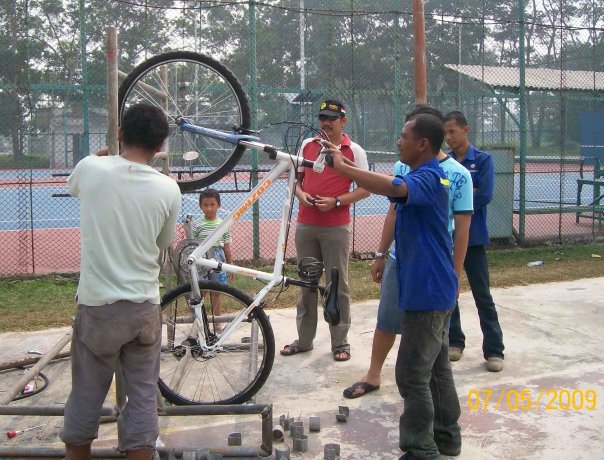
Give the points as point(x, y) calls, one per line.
point(124, 332)
point(330, 245)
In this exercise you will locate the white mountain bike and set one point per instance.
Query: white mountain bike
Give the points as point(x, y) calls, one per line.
point(202, 362)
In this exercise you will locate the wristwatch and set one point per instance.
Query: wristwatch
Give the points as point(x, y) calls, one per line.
point(338, 202)
point(380, 255)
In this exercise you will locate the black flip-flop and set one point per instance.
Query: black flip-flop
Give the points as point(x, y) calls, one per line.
point(291, 349)
point(366, 387)
point(343, 351)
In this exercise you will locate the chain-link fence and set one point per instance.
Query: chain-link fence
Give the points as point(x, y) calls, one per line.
point(528, 76)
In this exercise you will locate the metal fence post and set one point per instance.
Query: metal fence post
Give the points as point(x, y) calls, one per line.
point(254, 108)
point(85, 142)
point(522, 119)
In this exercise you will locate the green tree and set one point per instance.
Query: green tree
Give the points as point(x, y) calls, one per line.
point(18, 44)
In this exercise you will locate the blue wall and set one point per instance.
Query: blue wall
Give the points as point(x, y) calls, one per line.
point(592, 135)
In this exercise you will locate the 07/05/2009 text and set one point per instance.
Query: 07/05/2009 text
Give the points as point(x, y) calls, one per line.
point(527, 399)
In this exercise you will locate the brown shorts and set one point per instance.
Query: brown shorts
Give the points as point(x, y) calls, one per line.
point(123, 332)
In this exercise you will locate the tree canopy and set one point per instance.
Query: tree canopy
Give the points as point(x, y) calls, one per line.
point(52, 51)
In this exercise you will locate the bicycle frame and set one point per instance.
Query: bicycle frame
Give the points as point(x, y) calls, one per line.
point(285, 163)
point(213, 133)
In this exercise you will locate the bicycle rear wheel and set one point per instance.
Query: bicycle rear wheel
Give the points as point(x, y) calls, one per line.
point(201, 90)
point(231, 375)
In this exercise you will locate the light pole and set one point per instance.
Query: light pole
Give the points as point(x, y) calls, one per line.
point(459, 21)
point(419, 52)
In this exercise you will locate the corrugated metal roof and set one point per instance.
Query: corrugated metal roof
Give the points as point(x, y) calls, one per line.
point(535, 78)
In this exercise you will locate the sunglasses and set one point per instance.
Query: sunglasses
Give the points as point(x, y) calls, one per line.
point(328, 117)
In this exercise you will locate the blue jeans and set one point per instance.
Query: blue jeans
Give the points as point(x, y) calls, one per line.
point(425, 381)
point(476, 266)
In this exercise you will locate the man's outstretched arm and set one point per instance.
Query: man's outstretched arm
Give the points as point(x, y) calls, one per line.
point(380, 184)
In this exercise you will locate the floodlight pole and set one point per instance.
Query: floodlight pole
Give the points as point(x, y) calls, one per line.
point(112, 88)
point(459, 98)
point(419, 52)
point(302, 49)
point(398, 72)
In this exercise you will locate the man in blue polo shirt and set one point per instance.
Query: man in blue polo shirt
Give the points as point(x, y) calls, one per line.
point(383, 269)
point(476, 265)
point(427, 286)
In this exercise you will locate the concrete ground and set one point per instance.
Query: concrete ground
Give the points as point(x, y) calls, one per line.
point(547, 403)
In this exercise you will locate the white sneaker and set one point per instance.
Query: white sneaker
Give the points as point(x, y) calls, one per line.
point(495, 364)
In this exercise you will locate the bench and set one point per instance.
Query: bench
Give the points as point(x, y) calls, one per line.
point(595, 209)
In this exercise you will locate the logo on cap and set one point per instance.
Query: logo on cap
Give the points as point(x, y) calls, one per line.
point(328, 105)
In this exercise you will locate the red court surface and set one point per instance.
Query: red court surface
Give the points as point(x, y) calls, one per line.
point(58, 251)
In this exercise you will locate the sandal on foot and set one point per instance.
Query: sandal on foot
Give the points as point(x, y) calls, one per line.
point(292, 349)
point(366, 387)
point(344, 352)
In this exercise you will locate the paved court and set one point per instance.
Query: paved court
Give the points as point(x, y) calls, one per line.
point(51, 212)
point(553, 343)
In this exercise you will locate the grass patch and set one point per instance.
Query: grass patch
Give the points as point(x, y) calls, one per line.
point(35, 304)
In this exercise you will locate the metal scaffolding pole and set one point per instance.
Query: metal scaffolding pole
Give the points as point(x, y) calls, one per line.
point(35, 370)
point(264, 450)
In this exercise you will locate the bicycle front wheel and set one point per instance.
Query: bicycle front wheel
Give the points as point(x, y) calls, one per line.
point(201, 90)
point(230, 375)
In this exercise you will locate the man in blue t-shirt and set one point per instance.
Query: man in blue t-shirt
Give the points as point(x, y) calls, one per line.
point(427, 286)
point(480, 166)
point(383, 269)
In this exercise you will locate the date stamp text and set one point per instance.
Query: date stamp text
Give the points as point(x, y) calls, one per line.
point(525, 399)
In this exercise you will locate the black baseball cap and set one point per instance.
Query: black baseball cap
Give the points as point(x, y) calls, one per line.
point(332, 108)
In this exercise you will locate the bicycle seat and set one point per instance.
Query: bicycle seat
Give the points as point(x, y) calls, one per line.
point(331, 307)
